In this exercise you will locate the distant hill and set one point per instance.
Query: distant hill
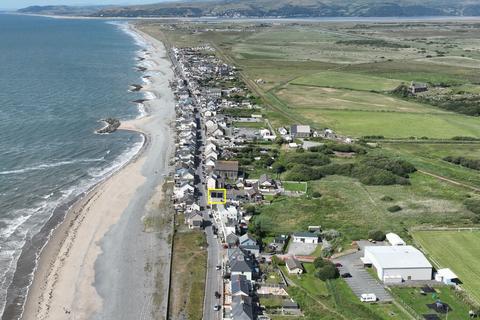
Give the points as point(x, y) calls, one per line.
point(64, 10)
point(283, 8)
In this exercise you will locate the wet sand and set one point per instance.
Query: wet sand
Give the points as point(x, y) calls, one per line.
point(99, 263)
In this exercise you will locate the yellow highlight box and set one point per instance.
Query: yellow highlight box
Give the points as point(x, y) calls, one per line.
point(209, 196)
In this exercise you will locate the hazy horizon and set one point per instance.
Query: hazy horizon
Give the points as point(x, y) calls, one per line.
point(17, 4)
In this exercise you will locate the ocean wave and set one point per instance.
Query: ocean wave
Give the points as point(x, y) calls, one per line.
point(142, 111)
point(149, 95)
point(124, 26)
point(44, 166)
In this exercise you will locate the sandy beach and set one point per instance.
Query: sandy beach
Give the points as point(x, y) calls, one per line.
point(100, 263)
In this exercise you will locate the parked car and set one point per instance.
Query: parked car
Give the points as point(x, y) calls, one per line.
point(346, 275)
point(217, 307)
point(219, 267)
point(217, 295)
point(368, 297)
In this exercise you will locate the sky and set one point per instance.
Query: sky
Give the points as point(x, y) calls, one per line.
point(16, 4)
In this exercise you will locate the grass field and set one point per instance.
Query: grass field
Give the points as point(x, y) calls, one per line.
point(252, 125)
point(429, 157)
point(319, 98)
point(354, 209)
point(418, 302)
point(188, 274)
point(395, 125)
point(294, 186)
point(458, 251)
point(347, 80)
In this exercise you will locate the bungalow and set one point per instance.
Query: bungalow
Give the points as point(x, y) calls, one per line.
point(294, 266)
point(446, 276)
point(305, 237)
point(194, 220)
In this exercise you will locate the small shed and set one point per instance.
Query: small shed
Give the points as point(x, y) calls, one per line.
point(446, 276)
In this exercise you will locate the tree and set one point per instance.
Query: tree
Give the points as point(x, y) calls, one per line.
point(376, 235)
point(328, 271)
point(278, 168)
point(319, 262)
point(250, 210)
point(316, 194)
point(279, 140)
point(276, 261)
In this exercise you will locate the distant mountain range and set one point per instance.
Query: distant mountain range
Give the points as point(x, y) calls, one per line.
point(275, 8)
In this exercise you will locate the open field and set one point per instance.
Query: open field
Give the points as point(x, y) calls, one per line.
point(334, 79)
point(457, 250)
point(418, 302)
point(295, 186)
point(188, 274)
point(394, 125)
point(318, 98)
point(252, 125)
point(429, 157)
point(354, 209)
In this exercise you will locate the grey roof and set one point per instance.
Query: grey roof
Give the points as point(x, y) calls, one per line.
point(247, 238)
point(305, 234)
point(232, 238)
point(242, 308)
point(240, 284)
point(293, 263)
point(241, 265)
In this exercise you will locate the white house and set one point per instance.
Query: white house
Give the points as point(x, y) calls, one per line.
point(394, 239)
point(305, 237)
point(294, 266)
point(398, 263)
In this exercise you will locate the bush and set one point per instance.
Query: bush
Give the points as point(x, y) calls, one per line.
point(330, 234)
point(319, 262)
point(386, 198)
point(376, 235)
point(328, 271)
point(464, 162)
point(308, 158)
point(250, 209)
point(373, 176)
point(301, 172)
point(394, 208)
point(398, 167)
point(316, 194)
point(276, 261)
point(472, 205)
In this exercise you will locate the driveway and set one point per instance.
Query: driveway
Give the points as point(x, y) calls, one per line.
point(361, 281)
point(301, 249)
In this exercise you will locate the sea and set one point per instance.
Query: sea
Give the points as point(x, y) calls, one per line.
point(58, 79)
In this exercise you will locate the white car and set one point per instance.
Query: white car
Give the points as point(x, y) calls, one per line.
point(368, 297)
point(216, 307)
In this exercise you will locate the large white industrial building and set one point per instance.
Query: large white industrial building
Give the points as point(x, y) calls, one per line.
point(398, 263)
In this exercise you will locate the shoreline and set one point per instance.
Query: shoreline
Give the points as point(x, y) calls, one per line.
point(66, 260)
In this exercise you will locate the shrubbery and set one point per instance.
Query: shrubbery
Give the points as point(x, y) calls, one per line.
point(301, 172)
point(397, 166)
point(307, 158)
point(376, 235)
point(464, 162)
point(473, 205)
point(325, 269)
point(394, 208)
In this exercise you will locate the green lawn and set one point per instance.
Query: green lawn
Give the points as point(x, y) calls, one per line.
point(418, 302)
point(347, 80)
point(253, 125)
point(294, 186)
point(459, 251)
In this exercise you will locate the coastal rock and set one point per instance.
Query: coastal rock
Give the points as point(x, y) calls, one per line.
point(111, 126)
point(135, 87)
point(141, 69)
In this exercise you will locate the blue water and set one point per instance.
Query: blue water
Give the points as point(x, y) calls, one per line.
point(57, 79)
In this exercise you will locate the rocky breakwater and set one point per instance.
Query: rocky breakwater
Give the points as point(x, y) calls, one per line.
point(111, 125)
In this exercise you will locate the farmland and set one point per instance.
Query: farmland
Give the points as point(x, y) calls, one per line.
point(457, 251)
